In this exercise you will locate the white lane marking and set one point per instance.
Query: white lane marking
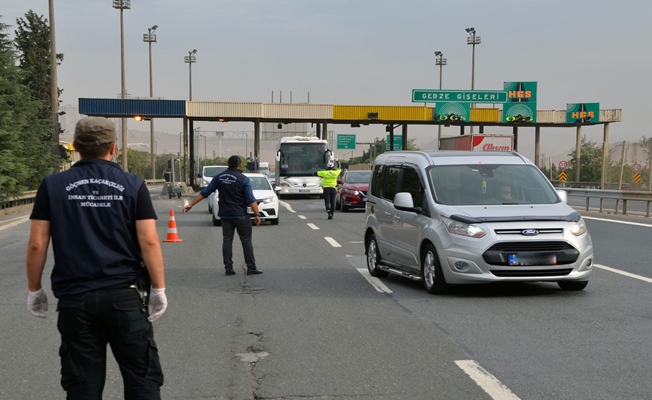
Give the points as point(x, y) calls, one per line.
point(487, 382)
point(629, 274)
point(357, 241)
point(313, 226)
point(287, 206)
point(302, 217)
point(15, 221)
point(618, 222)
point(375, 282)
point(332, 241)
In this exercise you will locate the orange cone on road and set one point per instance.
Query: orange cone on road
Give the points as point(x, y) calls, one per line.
point(172, 236)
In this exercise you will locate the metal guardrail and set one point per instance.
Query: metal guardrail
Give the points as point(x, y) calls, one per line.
point(28, 197)
point(22, 200)
point(623, 196)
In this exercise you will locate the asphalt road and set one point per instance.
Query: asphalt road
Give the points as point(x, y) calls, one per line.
point(313, 326)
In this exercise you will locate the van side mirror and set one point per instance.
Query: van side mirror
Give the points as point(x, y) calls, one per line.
point(563, 195)
point(200, 176)
point(403, 202)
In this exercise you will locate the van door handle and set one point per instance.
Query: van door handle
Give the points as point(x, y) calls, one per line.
point(388, 214)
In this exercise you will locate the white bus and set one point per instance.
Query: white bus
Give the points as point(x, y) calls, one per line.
point(298, 158)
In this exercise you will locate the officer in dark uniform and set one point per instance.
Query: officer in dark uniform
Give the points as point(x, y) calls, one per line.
point(235, 195)
point(107, 254)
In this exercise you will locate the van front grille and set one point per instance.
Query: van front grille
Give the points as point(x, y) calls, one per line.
point(531, 272)
point(563, 253)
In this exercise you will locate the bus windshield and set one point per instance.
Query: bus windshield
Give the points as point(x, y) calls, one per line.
point(302, 159)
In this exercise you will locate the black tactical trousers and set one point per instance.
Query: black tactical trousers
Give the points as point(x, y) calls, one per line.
point(87, 323)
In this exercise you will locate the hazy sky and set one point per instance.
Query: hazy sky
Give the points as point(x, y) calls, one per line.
point(361, 52)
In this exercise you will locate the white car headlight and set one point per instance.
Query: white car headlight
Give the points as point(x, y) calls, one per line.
point(269, 199)
point(460, 228)
point(579, 228)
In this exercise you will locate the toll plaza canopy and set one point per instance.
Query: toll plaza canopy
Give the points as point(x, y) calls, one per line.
point(356, 115)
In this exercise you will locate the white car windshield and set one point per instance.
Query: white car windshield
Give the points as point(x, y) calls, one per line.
point(490, 184)
point(260, 183)
point(357, 176)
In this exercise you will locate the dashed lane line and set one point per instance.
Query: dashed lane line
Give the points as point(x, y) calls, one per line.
point(375, 282)
point(489, 383)
point(313, 226)
point(618, 222)
point(629, 274)
point(332, 241)
point(287, 206)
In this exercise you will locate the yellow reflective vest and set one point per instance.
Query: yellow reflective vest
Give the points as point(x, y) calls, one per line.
point(329, 177)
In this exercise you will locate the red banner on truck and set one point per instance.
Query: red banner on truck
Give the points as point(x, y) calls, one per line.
point(478, 143)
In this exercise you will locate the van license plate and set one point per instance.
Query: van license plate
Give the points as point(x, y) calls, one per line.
point(536, 259)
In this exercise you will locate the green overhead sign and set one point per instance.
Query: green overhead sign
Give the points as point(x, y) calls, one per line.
point(582, 113)
point(345, 141)
point(521, 107)
point(398, 142)
point(458, 96)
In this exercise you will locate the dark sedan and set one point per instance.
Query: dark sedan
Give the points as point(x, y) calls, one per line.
point(352, 189)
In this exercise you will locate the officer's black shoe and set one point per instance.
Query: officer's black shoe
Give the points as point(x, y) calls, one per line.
point(229, 271)
point(330, 215)
point(254, 272)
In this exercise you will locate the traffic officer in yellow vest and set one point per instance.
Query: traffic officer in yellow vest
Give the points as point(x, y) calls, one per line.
point(329, 182)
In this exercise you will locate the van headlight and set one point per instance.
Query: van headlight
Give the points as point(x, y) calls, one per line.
point(269, 199)
point(579, 228)
point(460, 228)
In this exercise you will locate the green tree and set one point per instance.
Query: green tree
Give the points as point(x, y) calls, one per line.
point(590, 162)
point(647, 144)
point(32, 41)
point(16, 110)
point(138, 163)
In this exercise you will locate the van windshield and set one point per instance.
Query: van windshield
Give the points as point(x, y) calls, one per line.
point(490, 184)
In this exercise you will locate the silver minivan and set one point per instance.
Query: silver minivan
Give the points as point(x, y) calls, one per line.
point(458, 217)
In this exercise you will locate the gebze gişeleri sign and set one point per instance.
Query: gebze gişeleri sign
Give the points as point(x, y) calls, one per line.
point(458, 96)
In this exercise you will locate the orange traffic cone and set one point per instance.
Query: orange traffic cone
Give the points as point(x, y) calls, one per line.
point(172, 230)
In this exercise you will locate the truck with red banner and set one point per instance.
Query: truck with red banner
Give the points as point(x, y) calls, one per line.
point(477, 142)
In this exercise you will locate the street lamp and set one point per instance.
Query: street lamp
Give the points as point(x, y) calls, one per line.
point(190, 59)
point(123, 5)
point(472, 40)
point(441, 61)
point(150, 38)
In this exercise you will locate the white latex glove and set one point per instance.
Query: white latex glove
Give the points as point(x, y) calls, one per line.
point(157, 304)
point(37, 303)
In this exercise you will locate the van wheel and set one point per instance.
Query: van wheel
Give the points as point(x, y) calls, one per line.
point(210, 209)
point(572, 285)
point(433, 277)
point(216, 222)
point(274, 221)
point(373, 258)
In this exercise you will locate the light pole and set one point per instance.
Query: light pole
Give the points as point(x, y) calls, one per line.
point(123, 5)
point(196, 148)
point(150, 38)
point(54, 90)
point(441, 61)
point(190, 59)
point(472, 40)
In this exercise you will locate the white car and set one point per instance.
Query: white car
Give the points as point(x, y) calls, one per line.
point(266, 197)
